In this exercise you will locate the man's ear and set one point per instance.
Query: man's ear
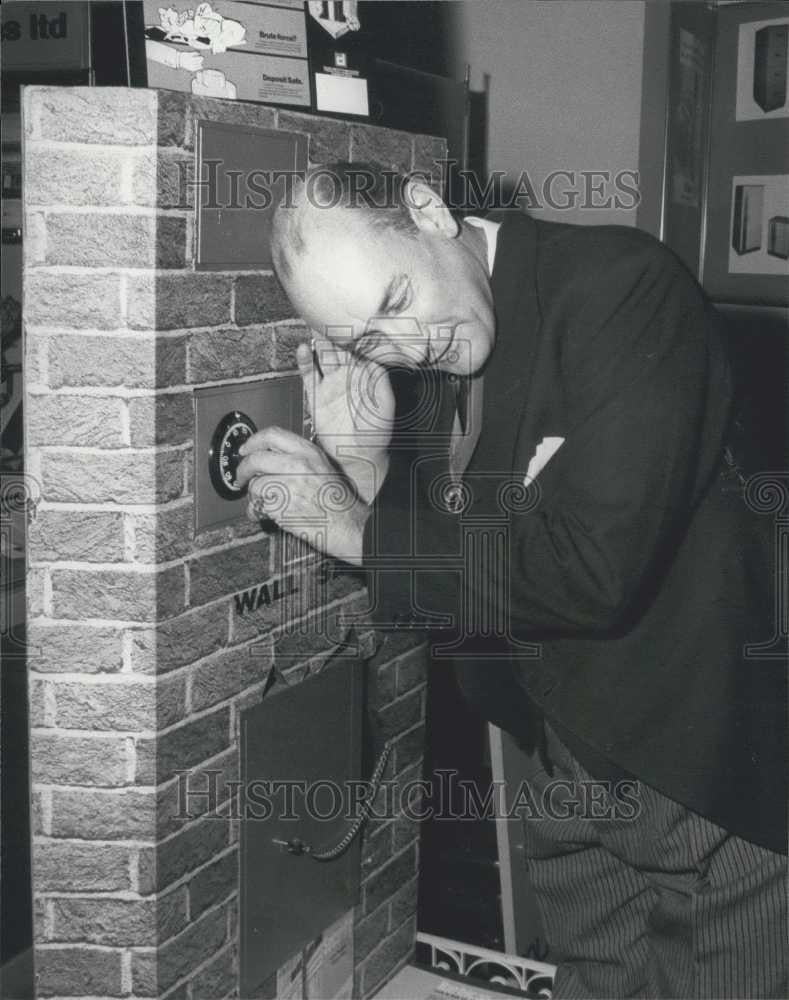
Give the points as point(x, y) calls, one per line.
point(427, 210)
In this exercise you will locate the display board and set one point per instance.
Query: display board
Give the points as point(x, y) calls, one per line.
point(691, 54)
point(246, 51)
point(746, 252)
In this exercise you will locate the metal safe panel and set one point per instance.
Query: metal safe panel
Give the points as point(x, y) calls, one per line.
point(239, 191)
point(265, 402)
point(309, 733)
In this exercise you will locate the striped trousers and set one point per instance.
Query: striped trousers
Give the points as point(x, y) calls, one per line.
point(666, 904)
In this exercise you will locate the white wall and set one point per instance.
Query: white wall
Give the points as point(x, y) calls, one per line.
point(564, 89)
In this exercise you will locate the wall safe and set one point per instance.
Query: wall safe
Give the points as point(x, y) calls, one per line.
point(225, 417)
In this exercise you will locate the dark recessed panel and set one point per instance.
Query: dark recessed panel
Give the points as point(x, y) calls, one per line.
point(308, 733)
point(244, 173)
point(222, 414)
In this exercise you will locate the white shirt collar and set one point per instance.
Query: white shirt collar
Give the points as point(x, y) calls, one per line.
point(491, 231)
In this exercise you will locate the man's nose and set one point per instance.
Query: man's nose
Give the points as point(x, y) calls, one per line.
point(404, 335)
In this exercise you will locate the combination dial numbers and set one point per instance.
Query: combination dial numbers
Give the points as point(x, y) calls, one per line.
point(223, 458)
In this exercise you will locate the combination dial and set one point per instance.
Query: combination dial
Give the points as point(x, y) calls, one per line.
point(223, 457)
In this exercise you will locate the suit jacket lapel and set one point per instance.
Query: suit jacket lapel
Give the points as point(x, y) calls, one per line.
point(509, 369)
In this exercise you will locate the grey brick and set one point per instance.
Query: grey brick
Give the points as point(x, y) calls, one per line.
point(192, 847)
point(180, 641)
point(393, 951)
point(176, 958)
point(377, 849)
point(329, 140)
point(93, 421)
point(137, 595)
point(120, 922)
point(172, 117)
point(35, 585)
point(412, 670)
point(72, 176)
point(401, 714)
point(296, 645)
point(404, 902)
point(182, 747)
point(220, 574)
point(391, 149)
point(409, 748)
point(387, 880)
point(69, 867)
point(260, 299)
point(225, 675)
point(166, 419)
point(82, 301)
point(213, 883)
point(164, 535)
point(105, 706)
point(396, 643)
point(37, 813)
point(368, 933)
point(406, 828)
point(164, 180)
point(190, 797)
point(429, 152)
point(180, 113)
point(98, 814)
point(112, 477)
point(78, 760)
point(290, 598)
point(108, 240)
point(178, 301)
point(384, 689)
point(215, 355)
point(37, 701)
point(105, 115)
point(75, 647)
point(285, 599)
point(78, 971)
point(218, 978)
point(131, 706)
point(116, 361)
point(36, 347)
point(86, 536)
point(286, 341)
point(179, 993)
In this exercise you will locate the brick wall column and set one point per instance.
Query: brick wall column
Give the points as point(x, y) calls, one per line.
point(140, 662)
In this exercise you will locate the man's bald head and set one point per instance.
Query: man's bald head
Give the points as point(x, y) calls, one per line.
point(375, 261)
point(377, 198)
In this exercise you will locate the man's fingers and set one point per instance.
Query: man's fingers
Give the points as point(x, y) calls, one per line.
point(304, 359)
point(268, 498)
point(329, 356)
point(272, 450)
point(264, 463)
point(277, 439)
point(308, 374)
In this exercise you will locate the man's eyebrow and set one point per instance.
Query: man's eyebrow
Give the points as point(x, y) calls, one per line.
point(389, 294)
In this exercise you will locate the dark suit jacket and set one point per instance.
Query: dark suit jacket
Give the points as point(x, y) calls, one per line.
point(632, 564)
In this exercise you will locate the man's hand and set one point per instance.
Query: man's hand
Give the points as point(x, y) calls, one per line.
point(352, 408)
point(293, 483)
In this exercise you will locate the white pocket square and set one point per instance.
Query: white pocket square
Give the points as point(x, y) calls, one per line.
point(546, 449)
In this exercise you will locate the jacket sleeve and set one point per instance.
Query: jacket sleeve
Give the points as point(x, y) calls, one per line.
point(647, 391)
